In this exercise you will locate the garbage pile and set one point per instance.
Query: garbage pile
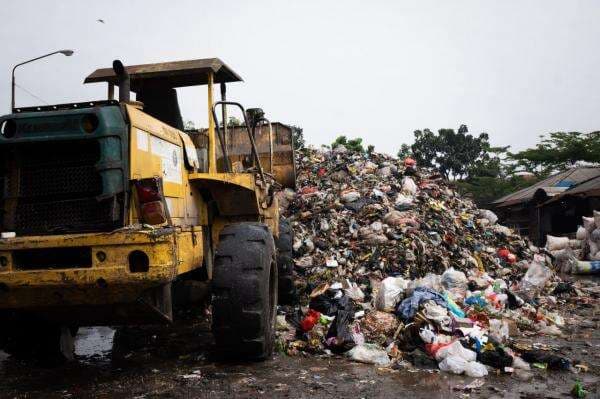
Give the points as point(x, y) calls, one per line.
point(395, 268)
point(580, 255)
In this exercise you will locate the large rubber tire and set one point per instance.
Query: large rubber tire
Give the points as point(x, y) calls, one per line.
point(49, 343)
point(285, 263)
point(244, 292)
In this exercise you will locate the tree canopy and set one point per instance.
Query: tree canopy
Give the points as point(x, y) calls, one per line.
point(352, 144)
point(456, 155)
point(559, 151)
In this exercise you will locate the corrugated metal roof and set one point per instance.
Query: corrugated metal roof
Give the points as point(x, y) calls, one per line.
point(588, 188)
point(173, 74)
point(571, 177)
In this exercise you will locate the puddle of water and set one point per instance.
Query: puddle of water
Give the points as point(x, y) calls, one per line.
point(94, 342)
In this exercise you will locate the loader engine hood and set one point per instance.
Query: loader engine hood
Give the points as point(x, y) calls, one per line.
point(63, 169)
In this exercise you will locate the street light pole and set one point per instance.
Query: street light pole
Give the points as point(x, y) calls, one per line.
point(68, 53)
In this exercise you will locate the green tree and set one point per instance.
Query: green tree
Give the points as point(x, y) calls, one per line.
point(354, 145)
point(559, 151)
point(404, 151)
point(456, 155)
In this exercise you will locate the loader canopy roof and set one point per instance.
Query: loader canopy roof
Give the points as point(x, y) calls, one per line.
point(171, 74)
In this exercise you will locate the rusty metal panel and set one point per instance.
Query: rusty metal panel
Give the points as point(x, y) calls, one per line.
point(172, 74)
point(239, 149)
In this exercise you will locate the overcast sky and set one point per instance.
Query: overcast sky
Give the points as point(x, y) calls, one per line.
point(374, 69)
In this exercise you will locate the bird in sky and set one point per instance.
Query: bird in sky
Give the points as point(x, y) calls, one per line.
point(101, 21)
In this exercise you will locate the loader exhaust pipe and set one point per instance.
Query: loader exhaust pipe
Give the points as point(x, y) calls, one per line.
point(124, 81)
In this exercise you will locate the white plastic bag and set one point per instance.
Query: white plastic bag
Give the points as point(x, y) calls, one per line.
point(476, 369)
point(499, 330)
point(489, 215)
point(409, 186)
point(452, 278)
point(369, 353)
point(453, 364)
point(390, 293)
point(353, 291)
point(589, 223)
point(581, 233)
point(535, 279)
point(556, 243)
point(455, 349)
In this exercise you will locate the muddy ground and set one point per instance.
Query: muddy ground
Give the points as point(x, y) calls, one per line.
point(177, 362)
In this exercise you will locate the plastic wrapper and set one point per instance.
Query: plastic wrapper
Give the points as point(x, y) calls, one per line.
point(390, 293)
point(556, 243)
point(369, 353)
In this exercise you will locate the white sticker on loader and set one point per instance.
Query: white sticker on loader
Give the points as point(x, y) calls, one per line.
point(142, 140)
point(171, 158)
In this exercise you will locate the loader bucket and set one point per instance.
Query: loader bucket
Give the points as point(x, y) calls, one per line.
point(281, 164)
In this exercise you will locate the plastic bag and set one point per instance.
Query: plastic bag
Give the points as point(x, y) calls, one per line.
point(369, 353)
point(581, 233)
point(431, 281)
point(556, 243)
point(455, 349)
point(409, 186)
point(476, 369)
point(454, 279)
point(353, 291)
point(329, 305)
point(589, 223)
point(595, 235)
point(390, 293)
point(453, 364)
point(341, 332)
point(499, 330)
point(535, 279)
point(489, 215)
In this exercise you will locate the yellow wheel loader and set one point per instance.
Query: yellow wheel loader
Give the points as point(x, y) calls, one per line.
point(111, 213)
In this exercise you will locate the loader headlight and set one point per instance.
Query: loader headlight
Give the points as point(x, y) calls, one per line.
point(8, 128)
point(89, 123)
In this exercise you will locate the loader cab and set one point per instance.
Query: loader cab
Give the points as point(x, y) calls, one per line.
point(222, 147)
